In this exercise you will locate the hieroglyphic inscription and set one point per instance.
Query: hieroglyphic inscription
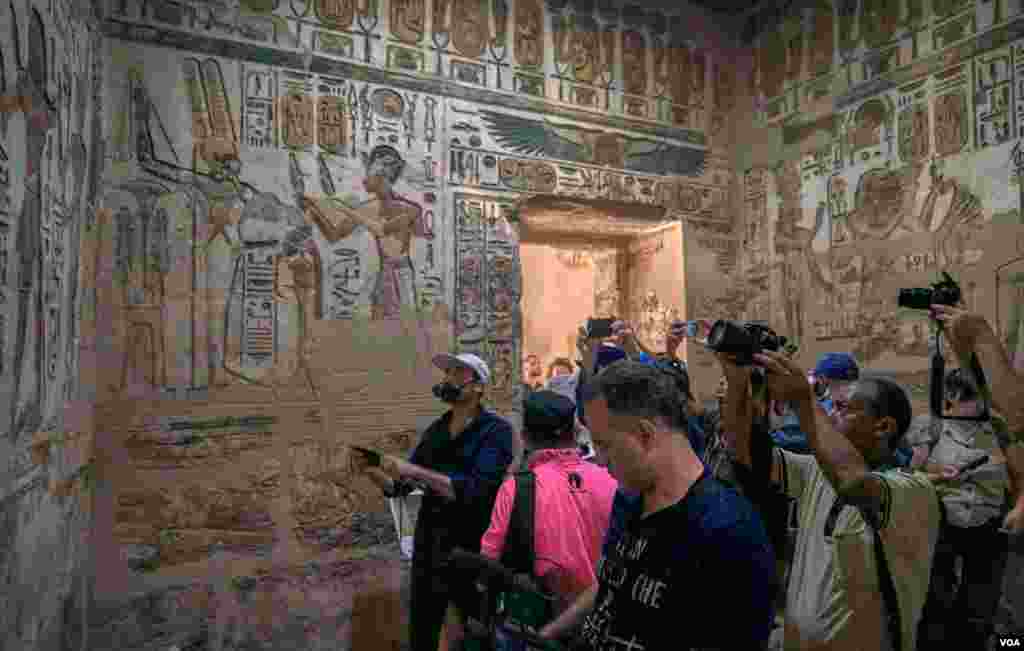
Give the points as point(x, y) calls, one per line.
point(531, 176)
point(1018, 94)
point(529, 32)
point(259, 326)
point(407, 18)
point(503, 287)
point(913, 133)
point(469, 270)
point(297, 112)
point(217, 101)
point(332, 118)
point(336, 14)
point(634, 62)
point(3, 344)
point(469, 30)
point(344, 271)
point(5, 247)
point(950, 110)
point(259, 109)
point(992, 89)
point(54, 311)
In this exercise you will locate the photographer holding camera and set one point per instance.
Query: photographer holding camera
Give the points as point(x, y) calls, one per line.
point(970, 333)
point(867, 531)
point(965, 461)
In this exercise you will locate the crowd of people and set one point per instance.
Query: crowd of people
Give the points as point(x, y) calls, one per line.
point(810, 506)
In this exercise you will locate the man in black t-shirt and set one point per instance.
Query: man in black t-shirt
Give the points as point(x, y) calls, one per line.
point(676, 535)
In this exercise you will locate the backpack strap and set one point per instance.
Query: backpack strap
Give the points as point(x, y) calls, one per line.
point(519, 555)
point(885, 581)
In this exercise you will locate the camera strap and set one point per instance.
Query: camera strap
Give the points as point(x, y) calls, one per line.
point(886, 585)
point(937, 383)
point(519, 555)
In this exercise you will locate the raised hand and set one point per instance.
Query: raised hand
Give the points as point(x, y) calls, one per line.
point(785, 379)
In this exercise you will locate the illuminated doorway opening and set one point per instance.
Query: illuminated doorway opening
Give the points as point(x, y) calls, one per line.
point(601, 259)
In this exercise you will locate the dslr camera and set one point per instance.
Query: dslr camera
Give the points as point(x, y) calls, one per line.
point(743, 339)
point(944, 292)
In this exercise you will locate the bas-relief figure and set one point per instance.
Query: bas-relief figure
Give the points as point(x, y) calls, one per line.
point(29, 386)
point(390, 218)
point(235, 215)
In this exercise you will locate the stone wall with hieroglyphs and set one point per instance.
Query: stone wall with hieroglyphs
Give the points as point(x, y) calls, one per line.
point(305, 200)
point(50, 162)
point(894, 155)
point(885, 148)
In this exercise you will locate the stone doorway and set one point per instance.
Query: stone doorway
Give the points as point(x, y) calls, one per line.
point(603, 259)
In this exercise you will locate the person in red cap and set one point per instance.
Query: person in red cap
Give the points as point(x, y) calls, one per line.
point(459, 463)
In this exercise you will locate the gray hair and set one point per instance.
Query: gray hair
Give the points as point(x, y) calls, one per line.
point(638, 390)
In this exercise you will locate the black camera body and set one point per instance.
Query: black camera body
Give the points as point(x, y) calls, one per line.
point(744, 339)
point(944, 292)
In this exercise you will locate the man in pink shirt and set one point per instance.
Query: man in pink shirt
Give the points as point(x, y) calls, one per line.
point(572, 507)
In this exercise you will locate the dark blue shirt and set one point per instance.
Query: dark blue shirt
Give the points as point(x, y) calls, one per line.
point(476, 461)
point(698, 574)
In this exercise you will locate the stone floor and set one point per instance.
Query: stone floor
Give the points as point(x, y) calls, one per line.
point(359, 602)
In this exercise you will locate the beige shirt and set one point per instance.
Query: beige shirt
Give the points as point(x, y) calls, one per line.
point(834, 600)
point(977, 496)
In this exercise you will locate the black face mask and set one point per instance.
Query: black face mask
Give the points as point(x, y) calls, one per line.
point(448, 392)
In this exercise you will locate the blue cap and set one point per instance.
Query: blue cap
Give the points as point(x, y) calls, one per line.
point(837, 366)
point(607, 356)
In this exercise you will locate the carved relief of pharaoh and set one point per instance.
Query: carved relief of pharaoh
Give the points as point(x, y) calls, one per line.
point(634, 62)
point(878, 204)
point(407, 20)
point(529, 40)
point(950, 127)
point(469, 28)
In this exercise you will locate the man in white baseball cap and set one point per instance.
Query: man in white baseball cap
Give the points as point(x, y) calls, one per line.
point(459, 463)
